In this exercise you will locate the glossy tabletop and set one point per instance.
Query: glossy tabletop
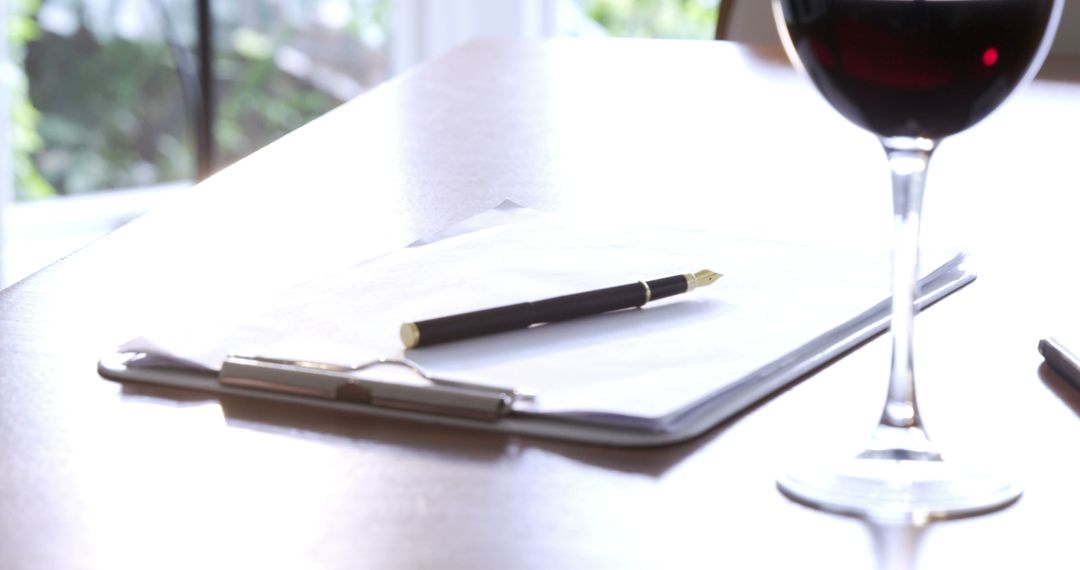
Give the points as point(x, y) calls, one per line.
point(96, 474)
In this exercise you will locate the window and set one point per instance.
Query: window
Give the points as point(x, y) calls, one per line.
point(105, 102)
point(104, 94)
point(110, 94)
point(682, 19)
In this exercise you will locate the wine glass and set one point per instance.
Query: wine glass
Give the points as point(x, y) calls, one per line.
point(911, 72)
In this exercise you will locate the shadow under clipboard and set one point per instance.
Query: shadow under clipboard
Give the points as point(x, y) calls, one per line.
point(645, 455)
point(311, 423)
point(315, 423)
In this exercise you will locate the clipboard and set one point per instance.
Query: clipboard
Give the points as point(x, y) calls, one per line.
point(498, 405)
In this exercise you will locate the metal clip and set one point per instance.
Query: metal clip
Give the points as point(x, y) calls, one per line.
point(342, 383)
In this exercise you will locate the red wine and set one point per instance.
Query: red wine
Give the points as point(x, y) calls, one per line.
point(916, 68)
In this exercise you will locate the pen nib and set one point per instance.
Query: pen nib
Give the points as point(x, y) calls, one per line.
point(706, 277)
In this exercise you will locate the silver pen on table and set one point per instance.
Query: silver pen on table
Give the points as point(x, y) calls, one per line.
point(1061, 359)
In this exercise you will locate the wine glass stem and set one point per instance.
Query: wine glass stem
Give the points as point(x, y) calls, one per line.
point(908, 161)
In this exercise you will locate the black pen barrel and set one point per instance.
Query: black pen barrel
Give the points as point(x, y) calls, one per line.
point(476, 323)
point(589, 303)
point(566, 307)
point(668, 286)
point(523, 315)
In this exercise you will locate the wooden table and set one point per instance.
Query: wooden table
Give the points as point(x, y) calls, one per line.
point(100, 475)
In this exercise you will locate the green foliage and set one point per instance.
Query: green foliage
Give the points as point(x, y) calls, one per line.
point(685, 19)
point(112, 115)
point(100, 111)
point(257, 103)
point(25, 141)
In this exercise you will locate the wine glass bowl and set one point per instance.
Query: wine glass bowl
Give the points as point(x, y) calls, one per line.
point(911, 72)
point(916, 68)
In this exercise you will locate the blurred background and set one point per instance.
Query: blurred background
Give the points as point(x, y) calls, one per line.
point(104, 95)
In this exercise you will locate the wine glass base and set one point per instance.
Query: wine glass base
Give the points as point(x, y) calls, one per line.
point(899, 491)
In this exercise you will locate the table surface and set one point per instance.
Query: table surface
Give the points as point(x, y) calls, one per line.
point(97, 474)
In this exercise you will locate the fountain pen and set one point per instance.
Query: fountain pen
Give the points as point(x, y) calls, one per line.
point(566, 307)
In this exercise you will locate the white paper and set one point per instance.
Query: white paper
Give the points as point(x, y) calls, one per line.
point(646, 362)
